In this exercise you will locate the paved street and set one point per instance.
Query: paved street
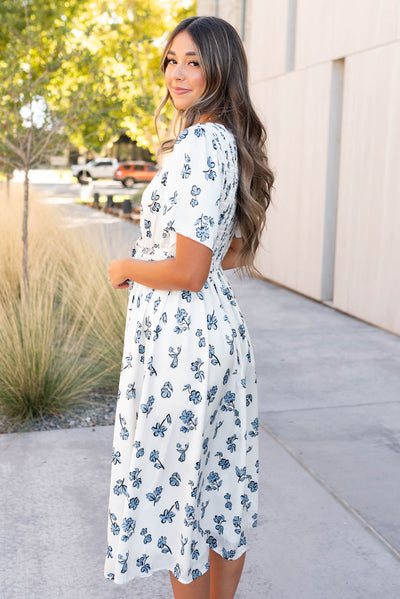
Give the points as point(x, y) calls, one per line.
point(329, 527)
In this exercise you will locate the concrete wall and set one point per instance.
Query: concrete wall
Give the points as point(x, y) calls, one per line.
point(330, 29)
point(268, 52)
point(295, 108)
point(367, 268)
point(230, 11)
point(325, 77)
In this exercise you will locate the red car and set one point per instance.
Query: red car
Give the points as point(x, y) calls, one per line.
point(135, 171)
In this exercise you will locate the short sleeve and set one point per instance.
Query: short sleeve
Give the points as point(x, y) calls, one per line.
point(195, 181)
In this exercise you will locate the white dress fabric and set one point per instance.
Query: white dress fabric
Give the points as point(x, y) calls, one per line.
point(185, 451)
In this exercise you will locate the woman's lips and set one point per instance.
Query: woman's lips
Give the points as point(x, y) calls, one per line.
point(180, 90)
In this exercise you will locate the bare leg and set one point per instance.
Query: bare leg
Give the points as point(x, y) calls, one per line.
point(198, 589)
point(224, 575)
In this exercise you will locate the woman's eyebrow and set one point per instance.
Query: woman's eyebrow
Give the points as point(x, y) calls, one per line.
point(186, 53)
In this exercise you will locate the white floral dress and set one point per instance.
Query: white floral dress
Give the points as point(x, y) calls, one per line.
point(185, 456)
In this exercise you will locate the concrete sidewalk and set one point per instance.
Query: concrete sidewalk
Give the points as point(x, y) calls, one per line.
point(329, 523)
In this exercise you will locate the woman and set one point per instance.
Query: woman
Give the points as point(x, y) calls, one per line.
point(185, 457)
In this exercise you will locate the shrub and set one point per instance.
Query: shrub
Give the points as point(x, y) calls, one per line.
point(44, 367)
point(65, 337)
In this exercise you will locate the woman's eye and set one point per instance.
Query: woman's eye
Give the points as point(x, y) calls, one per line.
point(192, 63)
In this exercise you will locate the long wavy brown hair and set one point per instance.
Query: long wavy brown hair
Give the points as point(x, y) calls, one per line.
point(226, 98)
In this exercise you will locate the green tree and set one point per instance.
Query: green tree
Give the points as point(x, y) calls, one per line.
point(140, 37)
point(77, 71)
point(129, 37)
point(52, 81)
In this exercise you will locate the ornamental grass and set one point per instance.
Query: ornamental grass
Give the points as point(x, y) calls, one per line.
point(63, 337)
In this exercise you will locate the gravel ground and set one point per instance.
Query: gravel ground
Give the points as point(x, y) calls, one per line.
point(100, 412)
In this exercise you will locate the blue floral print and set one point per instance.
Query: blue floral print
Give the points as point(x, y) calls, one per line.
point(168, 515)
point(155, 496)
point(162, 544)
point(184, 466)
point(146, 536)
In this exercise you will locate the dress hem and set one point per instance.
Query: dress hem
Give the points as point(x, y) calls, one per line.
point(188, 581)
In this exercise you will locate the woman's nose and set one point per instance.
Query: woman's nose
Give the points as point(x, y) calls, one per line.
point(178, 72)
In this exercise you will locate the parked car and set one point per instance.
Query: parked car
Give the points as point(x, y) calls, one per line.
point(135, 171)
point(102, 168)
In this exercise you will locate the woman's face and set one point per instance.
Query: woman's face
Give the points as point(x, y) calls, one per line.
point(183, 75)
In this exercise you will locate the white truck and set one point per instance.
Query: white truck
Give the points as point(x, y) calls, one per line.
point(102, 168)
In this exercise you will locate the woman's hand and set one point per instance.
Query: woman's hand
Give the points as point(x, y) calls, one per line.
point(187, 270)
point(117, 274)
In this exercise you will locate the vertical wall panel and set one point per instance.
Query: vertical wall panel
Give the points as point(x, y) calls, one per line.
point(266, 42)
point(206, 7)
point(367, 269)
point(232, 11)
point(295, 108)
point(331, 29)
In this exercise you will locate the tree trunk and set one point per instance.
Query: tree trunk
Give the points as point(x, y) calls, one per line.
point(25, 235)
point(9, 177)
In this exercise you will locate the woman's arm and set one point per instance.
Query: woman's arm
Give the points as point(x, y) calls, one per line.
point(231, 259)
point(187, 270)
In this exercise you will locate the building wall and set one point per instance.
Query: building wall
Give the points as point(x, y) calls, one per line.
point(367, 268)
point(230, 11)
point(325, 77)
